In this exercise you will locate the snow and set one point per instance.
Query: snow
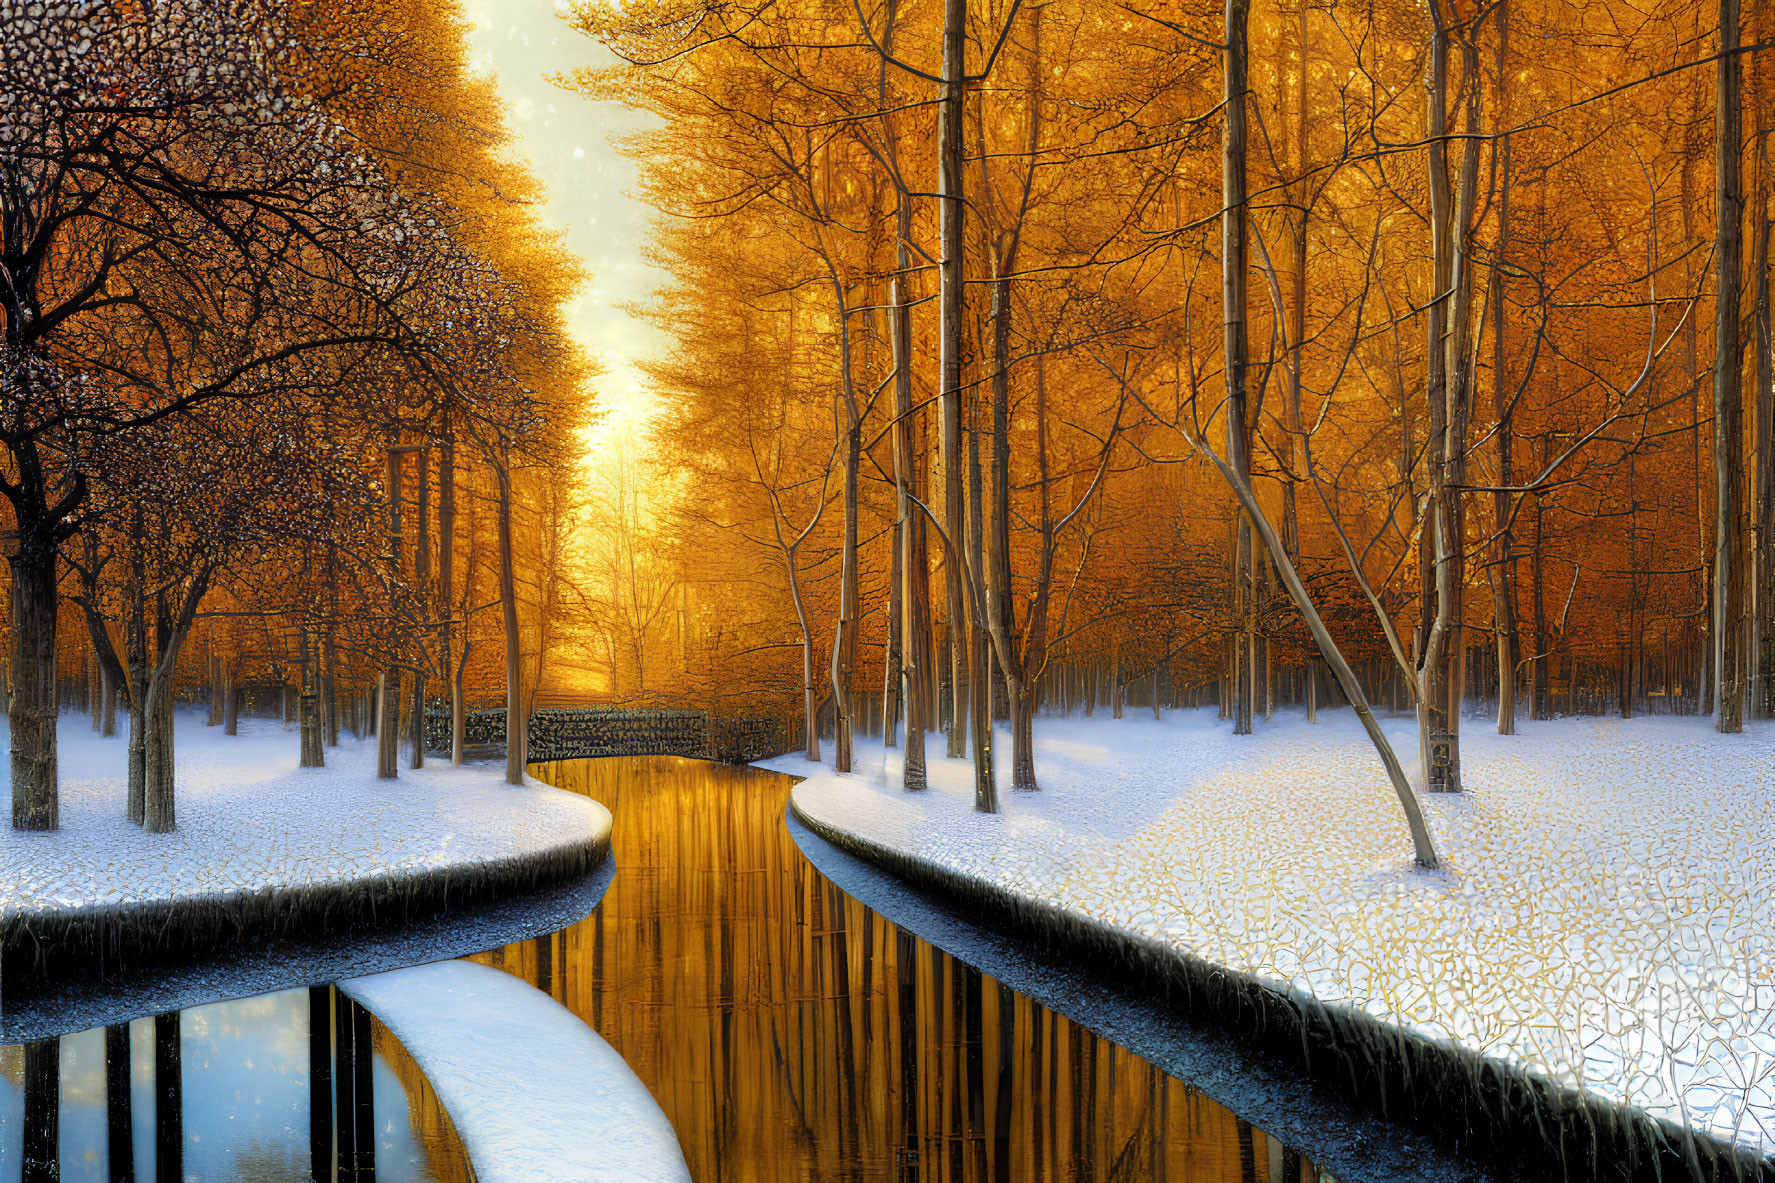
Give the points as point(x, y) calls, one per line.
point(249, 820)
point(1604, 916)
point(534, 1093)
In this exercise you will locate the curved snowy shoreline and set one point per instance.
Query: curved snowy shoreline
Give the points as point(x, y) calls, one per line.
point(533, 1092)
point(263, 847)
point(1254, 879)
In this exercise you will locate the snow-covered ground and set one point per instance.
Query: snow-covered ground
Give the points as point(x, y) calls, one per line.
point(534, 1093)
point(1604, 917)
point(249, 820)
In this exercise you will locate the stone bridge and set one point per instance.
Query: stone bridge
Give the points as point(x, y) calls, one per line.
point(571, 733)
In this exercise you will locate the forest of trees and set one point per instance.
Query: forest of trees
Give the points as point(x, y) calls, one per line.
point(1026, 357)
point(1025, 352)
point(287, 412)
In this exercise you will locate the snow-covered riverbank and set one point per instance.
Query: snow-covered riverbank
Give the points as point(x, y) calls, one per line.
point(1604, 918)
point(257, 836)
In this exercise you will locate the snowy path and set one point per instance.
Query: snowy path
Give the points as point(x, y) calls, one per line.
point(1605, 917)
point(250, 821)
point(535, 1094)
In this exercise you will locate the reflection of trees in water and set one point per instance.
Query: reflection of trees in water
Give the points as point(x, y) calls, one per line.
point(445, 1159)
point(96, 1069)
point(791, 1033)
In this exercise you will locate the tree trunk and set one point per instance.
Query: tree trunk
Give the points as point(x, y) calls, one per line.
point(388, 682)
point(1449, 389)
point(230, 700)
point(210, 660)
point(1728, 581)
point(914, 585)
point(845, 642)
point(517, 727)
point(312, 742)
point(34, 708)
point(1509, 642)
point(951, 342)
point(979, 655)
point(422, 591)
point(42, 1089)
point(1234, 263)
point(388, 724)
point(1762, 608)
point(158, 814)
point(169, 1103)
point(1422, 845)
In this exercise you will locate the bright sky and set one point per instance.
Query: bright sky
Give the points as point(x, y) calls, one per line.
point(566, 138)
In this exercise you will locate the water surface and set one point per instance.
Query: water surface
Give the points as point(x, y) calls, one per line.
point(790, 1033)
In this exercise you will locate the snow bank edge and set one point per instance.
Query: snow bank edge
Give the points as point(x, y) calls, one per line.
point(1435, 1083)
point(101, 936)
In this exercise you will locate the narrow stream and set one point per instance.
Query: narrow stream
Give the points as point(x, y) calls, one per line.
point(790, 1033)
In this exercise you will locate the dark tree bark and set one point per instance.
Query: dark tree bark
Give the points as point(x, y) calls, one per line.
point(516, 724)
point(120, 1149)
point(312, 741)
point(33, 666)
point(951, 212)
point(42, 1088)
point(1728, 545)
point(169, 1101)
point(913, 587)
point(1509, 642)
point(423, 608)
point(1234, 264)
point(388, 694)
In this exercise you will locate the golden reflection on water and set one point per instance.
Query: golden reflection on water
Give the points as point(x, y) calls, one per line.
point(790, 1033)
point(432, 1128)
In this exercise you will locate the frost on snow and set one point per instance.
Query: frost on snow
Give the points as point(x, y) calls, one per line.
point(248, 820)
point(533, 1092)
point(1604, 918)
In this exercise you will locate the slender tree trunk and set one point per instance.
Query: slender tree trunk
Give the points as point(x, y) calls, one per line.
point(388, 682)
point(951, 343)
point(1728, 607)
point(329, 690)
point(210, 661)
point(844, 643)
point(517, 727)
point(1234, 263)
point(136, 644)
point(422, 592)
point(1762, 588)
point(1034, 657)
point(893, 660)
point(979, 655)
point(913, 586)
point(1297, 329)
point(230, 700)
point(447, 586)
point(1441, 674)
point(1422, 844)
point(1509, 642)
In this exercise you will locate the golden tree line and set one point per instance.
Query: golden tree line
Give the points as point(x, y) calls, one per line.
point(285, 399)
point(1019, 338)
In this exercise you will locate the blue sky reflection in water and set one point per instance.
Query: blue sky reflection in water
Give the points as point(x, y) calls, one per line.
point(245, 1092)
